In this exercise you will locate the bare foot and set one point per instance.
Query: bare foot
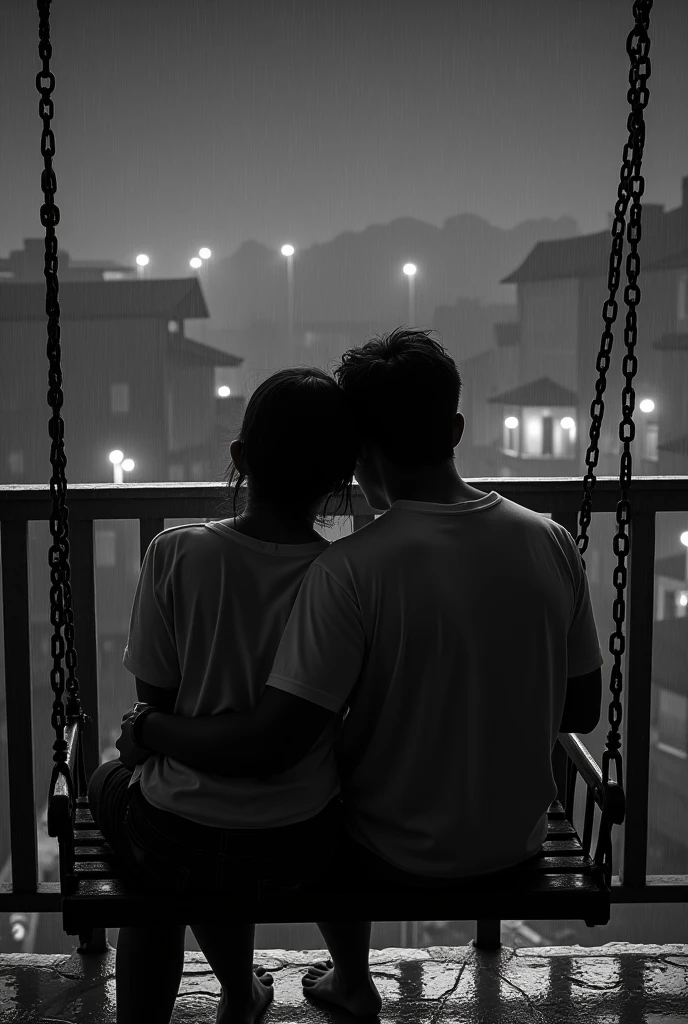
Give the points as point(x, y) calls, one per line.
point(322, 982)
point(232, 1011)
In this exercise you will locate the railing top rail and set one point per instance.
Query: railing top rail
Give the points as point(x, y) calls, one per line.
point(198, 500)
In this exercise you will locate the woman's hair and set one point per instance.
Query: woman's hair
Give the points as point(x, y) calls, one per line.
point(299, 440)
point(404, 391)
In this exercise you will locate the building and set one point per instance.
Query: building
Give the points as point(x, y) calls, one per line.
point(561, 287)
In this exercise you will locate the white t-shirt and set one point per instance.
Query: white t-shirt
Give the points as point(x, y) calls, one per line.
point(460, 624)
point(209, 611)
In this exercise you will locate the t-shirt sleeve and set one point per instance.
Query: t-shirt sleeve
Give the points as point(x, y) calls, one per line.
point(320, 655)
point(151, 651)
point(583, 645)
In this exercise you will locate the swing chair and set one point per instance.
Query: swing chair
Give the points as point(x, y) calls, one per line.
point(566, 881)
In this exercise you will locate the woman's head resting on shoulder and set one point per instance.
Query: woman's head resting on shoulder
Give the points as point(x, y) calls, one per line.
point(297, 446)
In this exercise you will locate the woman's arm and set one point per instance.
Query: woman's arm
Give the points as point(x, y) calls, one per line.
point(273, 737)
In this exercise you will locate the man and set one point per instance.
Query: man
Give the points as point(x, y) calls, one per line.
point(449, 626)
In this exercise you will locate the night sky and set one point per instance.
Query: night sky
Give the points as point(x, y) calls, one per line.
point(208, 122)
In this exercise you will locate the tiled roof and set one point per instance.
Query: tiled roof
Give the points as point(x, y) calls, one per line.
point(174, 299)
point(663, 242)
point(195, 353)
point(672, 343)
point(538, 392)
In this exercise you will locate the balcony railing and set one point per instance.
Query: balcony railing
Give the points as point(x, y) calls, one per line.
point(151, 504)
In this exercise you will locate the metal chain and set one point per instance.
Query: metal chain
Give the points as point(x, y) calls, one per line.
point(630, 191)
point(61, 615)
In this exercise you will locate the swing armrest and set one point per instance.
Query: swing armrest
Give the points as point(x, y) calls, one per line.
point(609, 798)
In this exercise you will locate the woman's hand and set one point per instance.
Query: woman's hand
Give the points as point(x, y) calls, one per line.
point(129, 753)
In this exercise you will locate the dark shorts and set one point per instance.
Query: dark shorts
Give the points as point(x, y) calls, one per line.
point(167, 851)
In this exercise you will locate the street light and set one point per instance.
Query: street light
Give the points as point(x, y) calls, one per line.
point(120, 465)
point(567, 423)
point(195, 262)
point(410, 270)
point(511, 423)
point(204, 253)
point(288, 251)
point(223, 391)
point(142, 262)
point(647, 405)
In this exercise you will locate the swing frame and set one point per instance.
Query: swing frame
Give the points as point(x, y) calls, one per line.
point(566, 881)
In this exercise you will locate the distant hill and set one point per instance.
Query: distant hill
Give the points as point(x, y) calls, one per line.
point(357, 275)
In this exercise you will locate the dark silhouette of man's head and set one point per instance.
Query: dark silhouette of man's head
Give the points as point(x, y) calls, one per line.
point(403, 389)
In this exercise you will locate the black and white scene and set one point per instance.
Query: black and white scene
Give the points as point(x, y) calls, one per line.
point(343, 511)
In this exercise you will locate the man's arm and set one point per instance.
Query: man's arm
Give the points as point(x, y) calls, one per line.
point(583, 703)
point(273, 737)
point(159, 696)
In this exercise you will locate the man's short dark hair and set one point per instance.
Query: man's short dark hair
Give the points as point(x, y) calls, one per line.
point(404, 390)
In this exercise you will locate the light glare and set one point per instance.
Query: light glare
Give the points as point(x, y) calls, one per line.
point(287, 250)
point(223, 391)
point(567, 423)
point(647, 405)
point(204, 253)
point(128, 465)
point(683, 600)
point(410, 269)
point(142, 260)
point(511, 422)
point(684, 538)
point(116, 457)
point(195, 263)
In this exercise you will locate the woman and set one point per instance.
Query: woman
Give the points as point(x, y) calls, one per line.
point(210, 607)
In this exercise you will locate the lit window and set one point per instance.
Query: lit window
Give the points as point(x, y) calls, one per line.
point(105, 548)
point(15, 462)
point(673, 723)
point(652, 442)
point(119, 398)
point(682, 298)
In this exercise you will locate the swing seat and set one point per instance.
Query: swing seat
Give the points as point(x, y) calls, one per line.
point(564, 883)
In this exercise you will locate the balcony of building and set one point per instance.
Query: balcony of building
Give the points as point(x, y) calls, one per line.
point(525, 979)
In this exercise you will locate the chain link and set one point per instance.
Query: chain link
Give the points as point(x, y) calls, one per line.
point(61, 614)
point(629, 193)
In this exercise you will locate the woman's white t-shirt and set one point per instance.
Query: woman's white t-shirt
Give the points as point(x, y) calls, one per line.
point(210, 608)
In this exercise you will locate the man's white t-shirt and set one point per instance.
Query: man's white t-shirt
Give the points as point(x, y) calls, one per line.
point(451, 631)
point(209, 611)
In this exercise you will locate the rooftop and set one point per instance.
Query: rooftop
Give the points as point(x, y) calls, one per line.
point(611, 983)
point(167, 299)
point(663, 246)
point(542, 391)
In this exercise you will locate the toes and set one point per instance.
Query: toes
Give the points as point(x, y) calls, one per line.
point(267, 979)
point(258, 971)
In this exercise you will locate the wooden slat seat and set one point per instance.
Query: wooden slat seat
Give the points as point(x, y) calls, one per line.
point(562, 883)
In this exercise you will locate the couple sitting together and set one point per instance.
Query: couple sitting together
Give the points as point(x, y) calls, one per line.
point(361, 703)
